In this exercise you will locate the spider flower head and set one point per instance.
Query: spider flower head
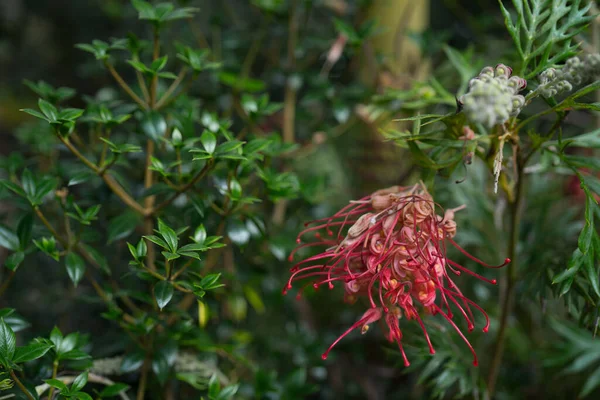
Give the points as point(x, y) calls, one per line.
point(389, 248)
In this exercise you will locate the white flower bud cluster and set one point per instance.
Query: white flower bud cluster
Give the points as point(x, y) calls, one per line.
point(575, 72)
point(493, 96)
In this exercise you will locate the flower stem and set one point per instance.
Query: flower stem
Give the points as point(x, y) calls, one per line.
point(511, 276)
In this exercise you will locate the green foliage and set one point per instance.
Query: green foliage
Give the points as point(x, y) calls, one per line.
point(543, 31)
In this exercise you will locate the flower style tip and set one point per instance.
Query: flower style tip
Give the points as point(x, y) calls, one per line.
point(389, 248)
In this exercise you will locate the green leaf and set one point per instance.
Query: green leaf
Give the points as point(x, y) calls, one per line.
point(122, 226)
point(8, 343)
point(70, 114)
point(113, 390)
point(163, 292)
point(210, 281)
point(13, 187)
point(81, 177)
point(132, 362)
point(228, 392)
point(240, 83)
point(79, 382)
point(587, 140)
point(48, 246)
point(48, 109)
point(159, 63)
point(145, 9)
point(156, 240)
point(235, 189)
point(35, 113)
point(200, 234)
point(8, 239)
point(543, 33)
point(14, 260)
point(592, 382)
point(209, 141)
point(170, 256)
point(582, 162)
point(168, 235)
point(57, 384)
point(573, 267)
point(67, 343)
point(56, 337)
point(160, 367)
point(214, 387)
point(254, 299)
point(32, 351)
point(74, 355)
point(154, 125)
point(24, 229)
point(75, 267)
point(585, 238)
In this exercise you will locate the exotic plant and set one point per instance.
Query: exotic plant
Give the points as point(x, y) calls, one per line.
point(394, 249)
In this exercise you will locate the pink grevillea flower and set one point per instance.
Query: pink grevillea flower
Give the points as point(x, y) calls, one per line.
point(390, 249)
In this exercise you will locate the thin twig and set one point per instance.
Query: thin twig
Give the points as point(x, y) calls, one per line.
point(171, 89)
point(109, 180)
point(148, 174)
point(144, 378)
point(125, 86)
point(21, 386)
point(182, 189)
